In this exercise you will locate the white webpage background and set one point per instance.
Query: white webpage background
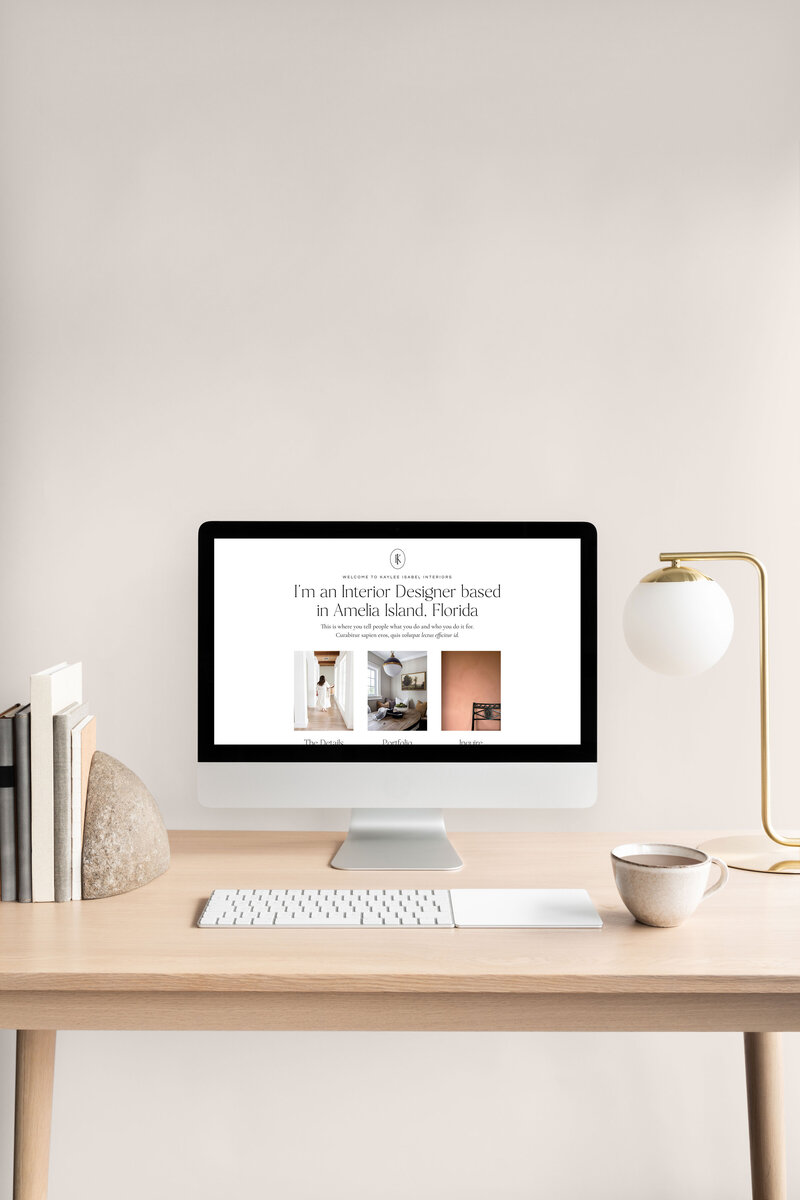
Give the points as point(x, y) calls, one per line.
point(259, 624)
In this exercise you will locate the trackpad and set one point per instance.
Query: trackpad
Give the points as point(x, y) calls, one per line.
point(523, 908)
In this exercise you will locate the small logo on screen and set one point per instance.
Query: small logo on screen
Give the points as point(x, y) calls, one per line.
point(397, 558)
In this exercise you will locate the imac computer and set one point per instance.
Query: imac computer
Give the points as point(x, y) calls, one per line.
point(397, 669)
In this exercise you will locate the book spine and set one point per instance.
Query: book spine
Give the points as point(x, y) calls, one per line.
point(51, 692)
point(62, 808)
point(8, 821)
point(77, 815)
point(88, 738)
point(22, 796)
point(41, 788)
point(81, 735)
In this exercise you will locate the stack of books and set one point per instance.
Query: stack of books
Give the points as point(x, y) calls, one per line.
point(46, 750)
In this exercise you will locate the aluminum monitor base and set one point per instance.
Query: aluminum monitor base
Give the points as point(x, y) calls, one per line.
point(396, 839)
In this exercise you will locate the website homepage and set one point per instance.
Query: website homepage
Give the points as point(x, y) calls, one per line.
point(340, 642)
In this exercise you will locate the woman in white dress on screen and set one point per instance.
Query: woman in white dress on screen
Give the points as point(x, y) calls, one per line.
point(323, 694)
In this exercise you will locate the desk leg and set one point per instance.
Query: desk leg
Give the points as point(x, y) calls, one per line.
point(764, 1067)
point(36, 1049)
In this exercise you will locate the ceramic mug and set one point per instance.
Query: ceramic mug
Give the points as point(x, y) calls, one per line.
point(662, 885)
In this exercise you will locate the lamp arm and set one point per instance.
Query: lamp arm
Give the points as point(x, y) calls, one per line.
point(764, 673)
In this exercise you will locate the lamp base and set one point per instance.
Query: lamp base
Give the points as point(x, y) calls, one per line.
point(755, 852)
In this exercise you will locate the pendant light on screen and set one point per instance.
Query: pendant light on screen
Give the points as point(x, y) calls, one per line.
point(392, 666)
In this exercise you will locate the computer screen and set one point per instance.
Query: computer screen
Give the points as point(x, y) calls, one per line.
point(368, 642)
point(397, 669)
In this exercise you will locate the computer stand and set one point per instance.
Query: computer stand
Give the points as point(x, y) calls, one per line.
point(396, 839)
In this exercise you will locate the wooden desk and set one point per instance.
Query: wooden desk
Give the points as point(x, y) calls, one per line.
point(139, 962)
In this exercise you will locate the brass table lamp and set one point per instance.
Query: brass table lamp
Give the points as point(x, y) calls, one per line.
point(683, 630)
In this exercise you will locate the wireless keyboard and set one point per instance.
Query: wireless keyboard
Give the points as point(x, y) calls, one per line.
point(426, 908)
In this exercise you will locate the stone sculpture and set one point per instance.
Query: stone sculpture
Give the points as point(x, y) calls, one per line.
point(125, 843)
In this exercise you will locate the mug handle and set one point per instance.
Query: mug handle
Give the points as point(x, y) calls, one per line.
point(723, 878)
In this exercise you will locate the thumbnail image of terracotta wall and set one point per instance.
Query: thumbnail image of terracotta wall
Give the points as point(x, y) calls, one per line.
point(471, 690)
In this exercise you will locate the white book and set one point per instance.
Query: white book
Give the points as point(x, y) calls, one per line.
point(51, 691)
point(83, 743)
point(63, 723)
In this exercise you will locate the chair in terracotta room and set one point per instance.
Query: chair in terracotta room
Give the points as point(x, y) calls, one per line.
point(485, 712)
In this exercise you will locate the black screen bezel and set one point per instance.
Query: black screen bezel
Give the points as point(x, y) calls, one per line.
point(208, 751)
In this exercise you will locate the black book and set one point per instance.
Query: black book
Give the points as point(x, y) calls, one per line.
point(22, 797)
point(8, 820)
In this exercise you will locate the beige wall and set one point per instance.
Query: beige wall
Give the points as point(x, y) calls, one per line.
point(549, 251)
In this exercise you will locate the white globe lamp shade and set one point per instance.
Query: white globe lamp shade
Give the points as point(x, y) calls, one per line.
point(393, 666)
point(678, 621)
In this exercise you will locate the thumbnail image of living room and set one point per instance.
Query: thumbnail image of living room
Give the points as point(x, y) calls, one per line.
point(324, 683)
point(397, 691)
point(471, 690)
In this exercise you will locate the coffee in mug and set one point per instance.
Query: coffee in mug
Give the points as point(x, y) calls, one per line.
point(660, 860)
point(661, 884)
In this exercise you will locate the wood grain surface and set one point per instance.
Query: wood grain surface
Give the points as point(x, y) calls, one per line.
point(744, 938)
point(144, 949)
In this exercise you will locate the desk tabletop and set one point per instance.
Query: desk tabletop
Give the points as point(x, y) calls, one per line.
point(744, 939)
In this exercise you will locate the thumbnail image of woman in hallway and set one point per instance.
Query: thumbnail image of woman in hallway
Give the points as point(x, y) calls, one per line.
point(323, 690)
point(323, 694)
